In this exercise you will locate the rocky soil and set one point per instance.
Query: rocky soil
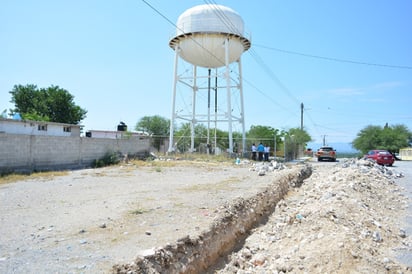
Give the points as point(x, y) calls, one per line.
point(348, 217)
point(88, 220)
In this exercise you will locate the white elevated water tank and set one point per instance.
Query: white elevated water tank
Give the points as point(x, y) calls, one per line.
point(201, 32)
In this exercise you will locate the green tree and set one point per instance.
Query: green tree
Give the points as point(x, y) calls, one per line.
point(237, 142)
point(300, 136)
point(264, 134)
point(222, 139)
point(391, 138)
point(157, 126)
point(52, 104)
point(183, 137)
point(261, 134)
point(295, 139)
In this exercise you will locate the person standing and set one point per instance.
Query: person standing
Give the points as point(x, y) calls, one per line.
point(254, 149)
point(266, 153)
point(261, 150)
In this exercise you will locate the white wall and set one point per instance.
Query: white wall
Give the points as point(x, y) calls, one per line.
point(20, 152)
point(32, 128)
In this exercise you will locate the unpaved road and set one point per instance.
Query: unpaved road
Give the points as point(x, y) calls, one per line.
point(88, 220)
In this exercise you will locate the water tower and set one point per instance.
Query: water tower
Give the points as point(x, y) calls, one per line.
point(207, 85)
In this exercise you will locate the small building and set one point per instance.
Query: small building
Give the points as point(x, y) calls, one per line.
point(120, 133)
point(109, 134)
point(406, 153)
point(13, 126)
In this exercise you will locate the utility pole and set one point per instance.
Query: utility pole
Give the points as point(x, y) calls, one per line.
point(301, 116)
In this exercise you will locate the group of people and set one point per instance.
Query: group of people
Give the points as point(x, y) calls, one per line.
point(260, 152)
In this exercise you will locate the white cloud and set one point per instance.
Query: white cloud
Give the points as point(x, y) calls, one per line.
point(360, 91)
point(386, 85)
point(346, 91)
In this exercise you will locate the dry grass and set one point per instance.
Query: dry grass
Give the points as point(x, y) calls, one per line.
point(192, 160)
point(44, 176)
point(137, 211)
point(183, 160)
point(226, 184)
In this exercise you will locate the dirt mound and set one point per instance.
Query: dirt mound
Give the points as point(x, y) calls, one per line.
point(346, 218)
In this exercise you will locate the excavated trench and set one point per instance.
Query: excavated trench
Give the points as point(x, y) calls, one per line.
point(204, 252)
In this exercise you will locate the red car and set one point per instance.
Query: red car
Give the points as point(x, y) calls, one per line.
point(381, 157)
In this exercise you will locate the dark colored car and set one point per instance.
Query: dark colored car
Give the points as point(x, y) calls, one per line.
point(326, 153)
point(381, 157)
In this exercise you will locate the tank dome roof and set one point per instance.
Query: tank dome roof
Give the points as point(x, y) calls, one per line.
point(210, 19)
point(202, 30)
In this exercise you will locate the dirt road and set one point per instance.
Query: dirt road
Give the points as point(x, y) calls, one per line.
point(88, 220)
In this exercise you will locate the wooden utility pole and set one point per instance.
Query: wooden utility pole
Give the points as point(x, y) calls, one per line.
point(301, 116)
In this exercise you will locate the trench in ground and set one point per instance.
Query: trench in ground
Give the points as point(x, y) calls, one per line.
point(209, 251)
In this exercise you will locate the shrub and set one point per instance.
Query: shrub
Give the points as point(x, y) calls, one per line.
point(110, 158)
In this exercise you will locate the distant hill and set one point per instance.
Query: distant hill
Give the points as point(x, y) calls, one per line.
point(340, 147)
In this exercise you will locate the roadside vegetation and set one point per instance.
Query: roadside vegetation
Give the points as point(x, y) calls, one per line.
point(390, 138)
point(110, 158)
point(349, 155)
point(44, 176)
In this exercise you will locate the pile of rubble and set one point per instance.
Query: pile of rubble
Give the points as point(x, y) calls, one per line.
point(264, 167)
point(345, 218)
point(369, 166)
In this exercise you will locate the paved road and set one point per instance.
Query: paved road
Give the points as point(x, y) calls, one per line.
point(406, 168)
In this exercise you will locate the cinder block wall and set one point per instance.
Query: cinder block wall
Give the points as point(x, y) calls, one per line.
point(33, 152)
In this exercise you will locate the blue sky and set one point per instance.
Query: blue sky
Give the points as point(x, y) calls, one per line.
point(349, 62)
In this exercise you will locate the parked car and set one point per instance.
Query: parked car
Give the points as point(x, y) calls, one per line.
point(381, 157)
point(327, 153)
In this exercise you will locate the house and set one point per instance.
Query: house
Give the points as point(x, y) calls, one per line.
point(13, 126)
point(120, 134)
point(405, 153)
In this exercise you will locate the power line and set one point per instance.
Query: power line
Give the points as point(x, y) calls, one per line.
point(272, 75)
point(333, 58)
point(173, 24)
point(158, 12)
point(221, 15)
point(258, 60)
point(229, 24)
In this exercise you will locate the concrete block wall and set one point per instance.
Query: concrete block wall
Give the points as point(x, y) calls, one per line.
point(95, 148)
point(14, 151)
point(50, 151)
point(27, 153)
